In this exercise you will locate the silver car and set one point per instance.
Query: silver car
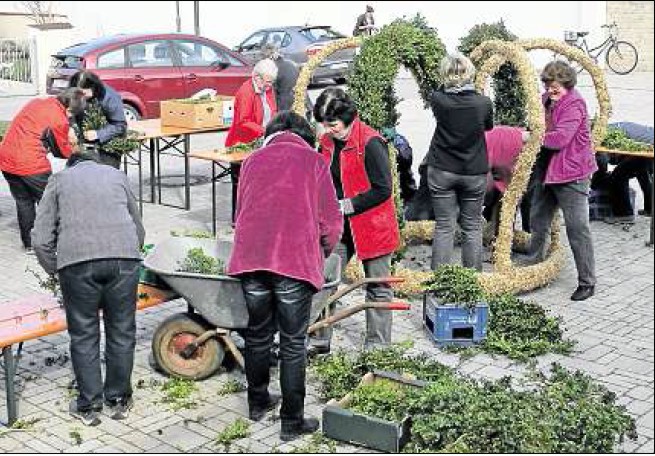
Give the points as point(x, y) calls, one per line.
point(299, 43)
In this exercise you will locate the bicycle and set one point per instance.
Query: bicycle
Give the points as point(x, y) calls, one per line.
point(621, 56)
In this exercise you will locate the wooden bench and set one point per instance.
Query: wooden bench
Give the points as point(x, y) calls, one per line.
point(41, 315)
point(223, 161)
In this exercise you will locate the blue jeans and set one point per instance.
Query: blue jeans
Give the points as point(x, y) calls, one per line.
point(110, 285)
point(274, 300)
point(457, 197)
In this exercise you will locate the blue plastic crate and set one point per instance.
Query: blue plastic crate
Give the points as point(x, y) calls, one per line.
point(454, 325)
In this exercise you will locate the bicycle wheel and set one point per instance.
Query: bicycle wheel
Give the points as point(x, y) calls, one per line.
point(622, 57)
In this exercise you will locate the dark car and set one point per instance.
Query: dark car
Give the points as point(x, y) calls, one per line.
point(146, 69)
point(299, 43)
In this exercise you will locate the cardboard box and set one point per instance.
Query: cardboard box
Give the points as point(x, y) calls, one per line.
point(196, 114)
point(343, 424)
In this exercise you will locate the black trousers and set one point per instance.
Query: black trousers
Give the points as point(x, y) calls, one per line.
point(274, 299)
point(110, 285)
point(619, 188)
point(27, 192)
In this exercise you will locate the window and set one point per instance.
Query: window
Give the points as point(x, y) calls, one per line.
point(254, 42)
point(320, 34)
point(112, 59)
point(193, 53)
point(150, 54)
point(279, 38)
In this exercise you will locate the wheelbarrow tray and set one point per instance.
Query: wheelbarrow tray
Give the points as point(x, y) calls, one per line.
point(219, 299)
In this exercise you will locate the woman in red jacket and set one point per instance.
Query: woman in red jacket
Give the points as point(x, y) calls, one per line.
point(41, 127)
point(359, 164)
point(254, 107)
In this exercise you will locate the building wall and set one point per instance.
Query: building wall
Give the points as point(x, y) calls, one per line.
point(14, 26)
point(635, 24)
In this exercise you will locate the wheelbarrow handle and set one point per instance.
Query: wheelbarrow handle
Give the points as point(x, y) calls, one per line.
point(351, 310)
point(365, 281)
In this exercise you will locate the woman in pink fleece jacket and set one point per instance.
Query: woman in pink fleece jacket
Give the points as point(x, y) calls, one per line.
point(287, 222)
point(563, 174)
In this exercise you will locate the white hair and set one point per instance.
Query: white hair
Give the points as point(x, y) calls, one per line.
point(457, 70)
point(265, 67)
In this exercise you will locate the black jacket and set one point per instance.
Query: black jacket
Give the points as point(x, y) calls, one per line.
point(458, 144)
point(287, 75)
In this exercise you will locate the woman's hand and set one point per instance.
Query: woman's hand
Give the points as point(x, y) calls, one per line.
point(91, 135)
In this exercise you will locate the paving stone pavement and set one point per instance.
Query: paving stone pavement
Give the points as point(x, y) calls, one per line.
point(614, 332)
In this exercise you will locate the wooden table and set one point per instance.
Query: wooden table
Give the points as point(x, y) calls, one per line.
point(227, 163)
point(41, 315)
point(642, 154)
point(165, 140)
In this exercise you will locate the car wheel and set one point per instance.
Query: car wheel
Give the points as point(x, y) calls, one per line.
point(131, 114)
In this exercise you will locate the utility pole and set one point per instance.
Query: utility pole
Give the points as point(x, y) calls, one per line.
point(178, 20)
point(196, 17)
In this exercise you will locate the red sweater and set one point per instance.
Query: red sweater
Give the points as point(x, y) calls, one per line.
point(504, 145)
point(375, 231)
point(287, 218)
point(22, 151)
point(249, 115)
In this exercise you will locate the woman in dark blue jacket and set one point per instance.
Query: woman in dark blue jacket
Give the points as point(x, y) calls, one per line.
point(110, 102)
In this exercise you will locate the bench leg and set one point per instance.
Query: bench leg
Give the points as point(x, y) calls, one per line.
point(10, 371)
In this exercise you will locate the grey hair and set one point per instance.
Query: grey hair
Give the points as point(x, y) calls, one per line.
point(265, 67)
point(457, 70)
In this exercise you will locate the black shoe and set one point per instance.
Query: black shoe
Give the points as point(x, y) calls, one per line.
point(314, 350)
point(257, 413)
point(89, 417)
point(120, 409)
point(308, 426)
point(582, 292)
point(644, 212)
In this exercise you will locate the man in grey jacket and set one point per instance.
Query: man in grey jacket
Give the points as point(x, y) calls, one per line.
point(88, 231)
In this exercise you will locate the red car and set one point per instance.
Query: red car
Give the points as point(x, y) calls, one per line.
point(145, 69)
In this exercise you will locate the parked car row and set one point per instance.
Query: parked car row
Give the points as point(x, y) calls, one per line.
point(146, 69)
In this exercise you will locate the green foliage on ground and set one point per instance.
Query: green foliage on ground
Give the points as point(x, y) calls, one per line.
point(178, 393)
point(238, 429)
point(231, 387)
point(557, 412)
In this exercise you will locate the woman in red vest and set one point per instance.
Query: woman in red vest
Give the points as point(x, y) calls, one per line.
point(359, 164)
point(254, 107)
point(41, 127)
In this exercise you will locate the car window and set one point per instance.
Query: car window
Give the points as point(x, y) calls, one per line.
point(194, 53)
point(112, 59)
point(149, 54)
point(278, 38)
point(314, 34)
point(253, 42)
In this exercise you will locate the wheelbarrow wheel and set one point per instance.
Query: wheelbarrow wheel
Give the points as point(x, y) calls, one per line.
point(173, 335)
